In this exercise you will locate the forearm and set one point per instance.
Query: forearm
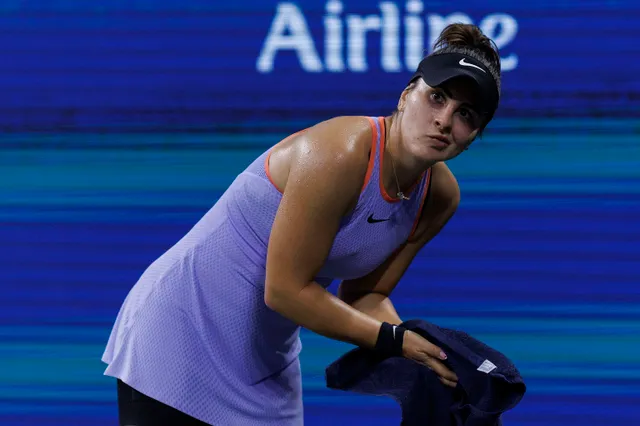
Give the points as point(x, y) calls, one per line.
point(378, 306)
point(317, 310)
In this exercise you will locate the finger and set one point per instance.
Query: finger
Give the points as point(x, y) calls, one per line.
point(433, 351)
point(448, 382)
point(442, 371)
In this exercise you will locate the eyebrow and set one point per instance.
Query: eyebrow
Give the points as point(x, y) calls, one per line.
point(468, 104)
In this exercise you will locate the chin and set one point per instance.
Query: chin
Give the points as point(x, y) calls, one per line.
point(450, 152)
point(431, 154)
point(427, 153)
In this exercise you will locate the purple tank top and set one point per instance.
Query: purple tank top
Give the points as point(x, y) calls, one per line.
point(194, 331)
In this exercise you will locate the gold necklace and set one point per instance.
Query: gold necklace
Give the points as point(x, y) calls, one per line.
point(399, 194)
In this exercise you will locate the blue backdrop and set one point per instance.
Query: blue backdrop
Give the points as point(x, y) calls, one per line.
point(123, 121)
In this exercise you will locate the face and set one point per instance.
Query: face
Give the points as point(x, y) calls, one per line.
point(438, 123)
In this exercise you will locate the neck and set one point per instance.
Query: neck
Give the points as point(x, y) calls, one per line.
point(407, 168)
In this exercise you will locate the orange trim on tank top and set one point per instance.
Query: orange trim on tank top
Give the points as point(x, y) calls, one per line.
point(266, 160)
point(425, 193)
point(383, 191)
point(372, 155)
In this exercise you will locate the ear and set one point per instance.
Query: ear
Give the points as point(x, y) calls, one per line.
point(403, 96)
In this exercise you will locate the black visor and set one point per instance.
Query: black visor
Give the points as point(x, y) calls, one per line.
point(437, 69)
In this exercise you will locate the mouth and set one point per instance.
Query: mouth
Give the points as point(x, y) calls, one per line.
point(439, 142)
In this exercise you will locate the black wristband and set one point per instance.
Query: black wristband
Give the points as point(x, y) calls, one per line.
point(390, 340)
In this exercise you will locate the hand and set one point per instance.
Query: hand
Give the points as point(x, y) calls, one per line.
point(419, 349)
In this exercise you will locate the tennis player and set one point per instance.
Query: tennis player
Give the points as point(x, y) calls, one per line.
point(209, 335)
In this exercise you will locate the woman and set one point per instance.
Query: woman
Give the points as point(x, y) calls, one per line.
point(209, 334)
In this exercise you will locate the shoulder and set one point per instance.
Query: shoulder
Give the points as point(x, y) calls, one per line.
point(347, 136)
point(334, 152)
point(327, 165)
point(340, 145)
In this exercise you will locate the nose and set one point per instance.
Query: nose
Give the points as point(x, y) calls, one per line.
point(444, 120)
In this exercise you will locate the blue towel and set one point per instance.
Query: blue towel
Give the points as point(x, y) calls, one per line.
point(488, 382)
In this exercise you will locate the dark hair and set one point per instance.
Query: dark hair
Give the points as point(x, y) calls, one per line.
point(469, 40)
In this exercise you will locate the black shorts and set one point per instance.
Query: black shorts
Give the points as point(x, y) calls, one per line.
point(137, 409)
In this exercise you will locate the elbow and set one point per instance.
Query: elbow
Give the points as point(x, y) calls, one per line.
point(271, 298)
point(275, 298)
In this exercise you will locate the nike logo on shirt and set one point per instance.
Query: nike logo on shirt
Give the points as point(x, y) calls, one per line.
point(370, 219)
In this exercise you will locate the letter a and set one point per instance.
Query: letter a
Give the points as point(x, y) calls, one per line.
point(289, 18)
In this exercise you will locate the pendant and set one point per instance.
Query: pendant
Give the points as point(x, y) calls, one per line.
point(401, 196)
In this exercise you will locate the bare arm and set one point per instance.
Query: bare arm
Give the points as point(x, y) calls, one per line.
point(323, 183)
point(370, 294)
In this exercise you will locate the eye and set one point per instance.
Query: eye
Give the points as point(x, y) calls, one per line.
point(467, 115)
point(437, 97)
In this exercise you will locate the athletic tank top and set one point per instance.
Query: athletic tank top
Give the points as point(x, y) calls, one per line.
point(194, 331)
point(379, 224)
